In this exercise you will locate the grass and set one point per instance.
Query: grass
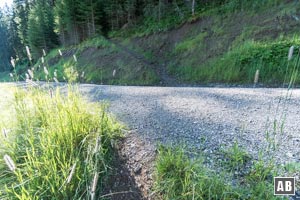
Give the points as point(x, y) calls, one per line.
point(240, 64)
point(235, 157)
point(178, 176)
point(189, 45)
point(59, 144)
point(6, 106)
point(97, 58)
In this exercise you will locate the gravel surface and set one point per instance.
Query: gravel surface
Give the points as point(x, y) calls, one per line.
point(205, 119)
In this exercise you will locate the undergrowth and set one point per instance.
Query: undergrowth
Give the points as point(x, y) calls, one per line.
point(239, 65)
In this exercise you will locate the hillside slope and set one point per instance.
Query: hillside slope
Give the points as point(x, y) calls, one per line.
point(216, 47)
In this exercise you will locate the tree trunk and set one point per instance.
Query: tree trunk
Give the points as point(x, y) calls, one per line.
point(93, 19)
point(159, 10)
point(193, 7)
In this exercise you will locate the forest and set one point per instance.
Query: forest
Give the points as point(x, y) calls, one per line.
point(226, 32)
point(149, 99)
point(45, 24)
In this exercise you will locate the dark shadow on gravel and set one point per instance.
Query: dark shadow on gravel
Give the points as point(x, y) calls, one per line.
point(154, 114)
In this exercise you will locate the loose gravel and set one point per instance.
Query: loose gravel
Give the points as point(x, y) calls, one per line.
point(205, 119)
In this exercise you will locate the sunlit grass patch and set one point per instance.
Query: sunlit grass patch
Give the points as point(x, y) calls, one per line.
point(59, 144)
point(6, 105)
point(178, 176)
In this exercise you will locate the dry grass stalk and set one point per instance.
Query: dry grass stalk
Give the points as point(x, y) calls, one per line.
point(291, 51)
point(13, 63)
point(256, 76)
point(28, 53)
point(55, 79)
point(30, 72)
point(75, 58)
point(46, 71)
point(71, 173)
point(98, 141)
point(27, 76)
point(94, 185)
point(9, 162)
point(5, 133)
point(51, 93)
point(44, 52)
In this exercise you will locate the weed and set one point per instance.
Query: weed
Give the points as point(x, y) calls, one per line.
point(235, 157)
point(180, 177)
point(261, 171)
point(293, 167)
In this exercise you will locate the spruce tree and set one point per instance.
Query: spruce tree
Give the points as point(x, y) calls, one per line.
point(41, 33)
point(4, 45)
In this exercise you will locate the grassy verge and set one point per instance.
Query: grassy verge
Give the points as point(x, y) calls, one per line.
point(180, 177)
point(59, 147)
point(97, 61)
point(240, 64)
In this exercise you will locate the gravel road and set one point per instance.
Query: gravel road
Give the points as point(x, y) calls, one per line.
point(207, 118)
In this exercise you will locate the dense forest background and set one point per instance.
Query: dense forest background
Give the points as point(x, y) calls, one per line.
point(45, 24)
point(150, 42)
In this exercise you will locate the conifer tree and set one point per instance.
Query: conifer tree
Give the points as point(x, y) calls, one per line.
point(21, 8)
point(41, 33)
point(4, 45)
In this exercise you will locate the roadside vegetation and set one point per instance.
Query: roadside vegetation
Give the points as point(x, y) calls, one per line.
point(57, 146)
point(179, 176)
point(240, 64)
point(87, 59)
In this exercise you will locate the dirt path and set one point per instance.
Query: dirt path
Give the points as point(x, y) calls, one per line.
point(160, 69)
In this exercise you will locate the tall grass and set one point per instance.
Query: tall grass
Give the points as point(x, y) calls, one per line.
point(59, 144)
point(240, 64)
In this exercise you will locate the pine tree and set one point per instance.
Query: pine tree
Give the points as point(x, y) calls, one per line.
point(4, 45)
point(41, 33)
point(67, 12)
point(21, 9)
point(13, 36)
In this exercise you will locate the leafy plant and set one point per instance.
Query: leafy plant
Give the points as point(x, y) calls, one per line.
point(235, 157)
